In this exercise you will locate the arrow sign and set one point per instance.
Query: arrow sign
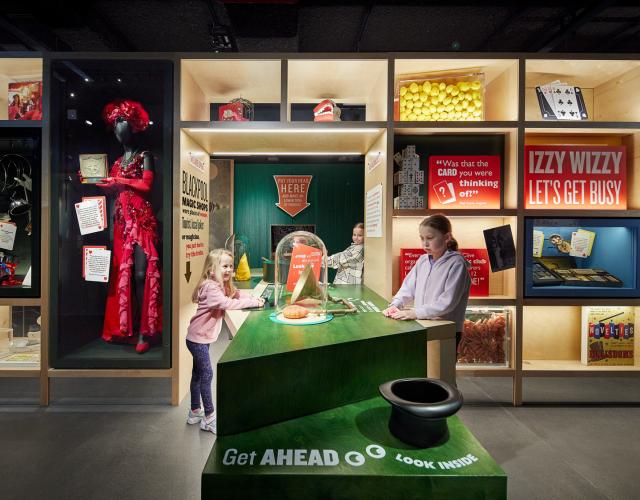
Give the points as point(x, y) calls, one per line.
point(292, 192)
point(187, 275)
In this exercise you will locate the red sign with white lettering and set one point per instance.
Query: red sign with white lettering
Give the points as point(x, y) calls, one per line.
point(479, 270)
point(464, 182)
point(292, 192)
point(575, 177)
point(408, 259)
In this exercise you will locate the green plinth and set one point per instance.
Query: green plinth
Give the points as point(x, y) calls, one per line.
point(272, 372)
point(349, 453)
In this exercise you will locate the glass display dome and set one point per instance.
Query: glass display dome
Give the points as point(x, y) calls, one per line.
point(239, 244)
point(301, 278)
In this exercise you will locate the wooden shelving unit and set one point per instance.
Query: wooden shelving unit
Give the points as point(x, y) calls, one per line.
point(28, 67)
point(368, 79)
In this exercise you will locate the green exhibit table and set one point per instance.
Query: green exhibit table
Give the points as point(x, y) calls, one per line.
point(272, 372)
point(348, 453)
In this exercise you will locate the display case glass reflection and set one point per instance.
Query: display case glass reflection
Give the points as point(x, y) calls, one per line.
point(20, 167)
point(582, 257)
point(20, 337)
point(111, 144)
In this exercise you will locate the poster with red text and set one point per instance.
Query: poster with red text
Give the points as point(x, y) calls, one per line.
point(575, 177)
point(408, 259)
point(478, 258)
point(301, 256)
point(464, 182)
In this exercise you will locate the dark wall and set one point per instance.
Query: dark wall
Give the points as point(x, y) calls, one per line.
point(336, 195)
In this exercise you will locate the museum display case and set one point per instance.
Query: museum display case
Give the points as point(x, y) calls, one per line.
point(111, 164)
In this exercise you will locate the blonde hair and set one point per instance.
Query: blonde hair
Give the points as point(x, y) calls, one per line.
point(212, 271)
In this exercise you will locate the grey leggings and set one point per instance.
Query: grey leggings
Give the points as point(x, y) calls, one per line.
point(201, 377)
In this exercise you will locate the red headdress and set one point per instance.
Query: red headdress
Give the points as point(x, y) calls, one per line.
point(131, 111)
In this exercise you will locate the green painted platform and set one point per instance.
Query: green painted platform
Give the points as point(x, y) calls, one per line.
point(272, 372)
point(348, 453)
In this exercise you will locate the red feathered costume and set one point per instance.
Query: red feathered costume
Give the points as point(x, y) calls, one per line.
point(134, 224)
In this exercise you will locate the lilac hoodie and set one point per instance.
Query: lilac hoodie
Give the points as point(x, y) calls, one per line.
point(438, 289)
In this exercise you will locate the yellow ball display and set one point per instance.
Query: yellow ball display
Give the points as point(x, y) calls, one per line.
point(441, 99)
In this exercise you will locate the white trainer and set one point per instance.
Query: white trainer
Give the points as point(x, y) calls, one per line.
point(209, 424)
point(195, 417)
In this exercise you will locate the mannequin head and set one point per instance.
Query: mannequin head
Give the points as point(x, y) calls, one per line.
point(122, 130)
point(130, 112)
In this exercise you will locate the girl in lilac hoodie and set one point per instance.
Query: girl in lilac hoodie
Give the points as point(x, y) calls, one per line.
point(439, 283)
point(214, 294)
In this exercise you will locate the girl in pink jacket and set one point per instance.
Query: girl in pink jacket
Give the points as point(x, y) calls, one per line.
point(214, 294)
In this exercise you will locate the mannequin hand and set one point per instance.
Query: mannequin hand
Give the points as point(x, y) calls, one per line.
point(261, 301)
point(25, 181)
point(389, 311)
point(107, 182)
point(404, 315)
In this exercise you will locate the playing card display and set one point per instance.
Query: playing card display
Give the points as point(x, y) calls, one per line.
point(560, 101)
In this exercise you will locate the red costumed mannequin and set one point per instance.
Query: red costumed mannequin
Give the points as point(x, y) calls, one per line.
point(133, 314)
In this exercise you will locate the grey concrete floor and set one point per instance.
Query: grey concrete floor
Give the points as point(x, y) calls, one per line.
point(119, 451)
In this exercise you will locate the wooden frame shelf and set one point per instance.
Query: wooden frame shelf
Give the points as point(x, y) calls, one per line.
point(20, 123)
point(281, 126)
point(618, 214)
point(425, 212)
point(124, 373)
point(580, 126)
point(218, 80)
point(369, 79)
point(586, 301)
point(482, 126)
point(26, 372)
point(602, 81)
point(492, 300)
point(555, 368)
point(501, 79)
point(18, 68)
point(346, 81)
point(285, 138)
point(478, 371)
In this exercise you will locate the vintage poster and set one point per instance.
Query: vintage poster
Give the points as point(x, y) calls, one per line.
point(608, 335)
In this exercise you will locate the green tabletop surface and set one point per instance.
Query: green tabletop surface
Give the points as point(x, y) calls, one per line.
point(259, 336)
point(348, 452)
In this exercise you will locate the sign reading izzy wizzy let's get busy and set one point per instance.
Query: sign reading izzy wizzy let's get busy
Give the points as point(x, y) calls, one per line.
point(575, 177)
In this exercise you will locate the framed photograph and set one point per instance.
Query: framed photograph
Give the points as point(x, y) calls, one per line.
point(93, 167)
point(25, 100)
